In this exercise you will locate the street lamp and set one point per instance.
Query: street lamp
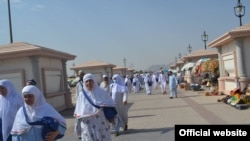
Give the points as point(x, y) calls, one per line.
point(124, 61)
point(10, 25)
point(179, 55)
point(74, 70)
point(204, 38)
point(239, 11)
point(189, 48)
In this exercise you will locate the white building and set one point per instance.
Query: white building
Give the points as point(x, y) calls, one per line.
point(233, 48)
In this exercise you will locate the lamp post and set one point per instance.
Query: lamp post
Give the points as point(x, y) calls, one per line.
point(179, 55)
point(239, 11)
point(124, 61)
point(74, 70)
point(10, 25)
point(204, 38)
point(189, 48)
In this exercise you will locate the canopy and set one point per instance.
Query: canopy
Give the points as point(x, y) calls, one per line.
point(201, 60)
point(210, 65)
point(188, 66)
point(173, 71)
point(196, 69)
point(165, 70)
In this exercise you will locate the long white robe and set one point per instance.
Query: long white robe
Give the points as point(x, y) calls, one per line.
point(173, 83)
point(128, 83)
point(119, 93)
point(136, 84)
point(148, 80)
point(163, 82)
point(155, 81)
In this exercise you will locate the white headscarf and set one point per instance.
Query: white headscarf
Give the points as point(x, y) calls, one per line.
point(9, 106)
point(97, 95)
point(38, 110)
point(119, 85)
point(147, 78)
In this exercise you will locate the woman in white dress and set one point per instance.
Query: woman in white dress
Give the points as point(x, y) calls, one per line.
point(94, 125)
point(119, 93)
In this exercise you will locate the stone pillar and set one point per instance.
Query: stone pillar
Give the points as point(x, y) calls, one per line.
point(67, 95)
point(221, 81)
point(221, 67)
point(240, 58)
point(221, 85)
point(242, 79)
point(189, 79)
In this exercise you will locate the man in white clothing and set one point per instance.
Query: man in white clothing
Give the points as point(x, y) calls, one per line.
point(173, 84)
point(155, 80)
point(105, 83)
point(163, 78)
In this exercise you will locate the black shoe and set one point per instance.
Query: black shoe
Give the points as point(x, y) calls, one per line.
point(116, 134)
point(125, 128)
point(170, 97)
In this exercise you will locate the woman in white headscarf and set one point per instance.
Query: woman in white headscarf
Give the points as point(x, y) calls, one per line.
point(119, 93)
point(148, 83)
point(10, 102)
point(36, 108)
point(136, 83)
point(128, 83)
point(94, 125)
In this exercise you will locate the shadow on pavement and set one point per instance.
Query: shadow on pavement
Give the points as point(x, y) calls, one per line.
point(187, 96)
point(161, 130)
point(140, 116)
point(68, 113)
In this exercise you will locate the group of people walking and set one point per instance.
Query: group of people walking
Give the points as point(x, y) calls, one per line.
point(153, 81)
point(23, 116)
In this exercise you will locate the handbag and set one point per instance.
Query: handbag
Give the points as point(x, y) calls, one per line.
point(134, 83)
point(109, 112)
point(49, 125)
point(149, 83)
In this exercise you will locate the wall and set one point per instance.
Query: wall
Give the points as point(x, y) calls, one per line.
point(53, 81)
point(15, 71)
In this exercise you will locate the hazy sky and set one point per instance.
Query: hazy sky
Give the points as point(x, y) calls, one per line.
point(145, 32)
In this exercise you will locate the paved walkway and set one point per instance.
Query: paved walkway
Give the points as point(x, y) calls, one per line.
point(153, 117)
